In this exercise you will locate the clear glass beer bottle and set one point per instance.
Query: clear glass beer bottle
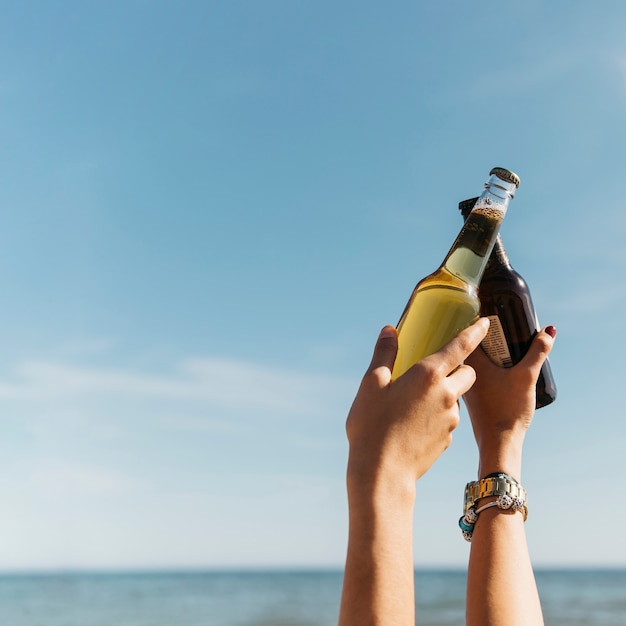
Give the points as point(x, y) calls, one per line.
point(446, 301)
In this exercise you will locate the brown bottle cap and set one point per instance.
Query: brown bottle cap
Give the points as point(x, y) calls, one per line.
point(507, 175)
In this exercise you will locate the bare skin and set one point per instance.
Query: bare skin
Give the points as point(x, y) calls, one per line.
point(396, 431)
point(501, 587)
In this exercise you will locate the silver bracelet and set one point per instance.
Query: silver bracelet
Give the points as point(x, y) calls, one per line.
point(504, 502)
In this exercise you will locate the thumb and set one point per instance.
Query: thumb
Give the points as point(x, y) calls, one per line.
point(385, 350)
point(540, 348)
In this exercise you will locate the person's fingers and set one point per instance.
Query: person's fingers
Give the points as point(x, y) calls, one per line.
point(385, 350)
point(462, 379)
point(480, 361)
point(539, 349)
point(459, 348)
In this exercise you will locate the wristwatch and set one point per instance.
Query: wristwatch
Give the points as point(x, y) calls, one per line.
point(492, 485)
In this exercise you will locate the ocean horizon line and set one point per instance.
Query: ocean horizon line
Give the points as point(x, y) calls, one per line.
point(268, 570)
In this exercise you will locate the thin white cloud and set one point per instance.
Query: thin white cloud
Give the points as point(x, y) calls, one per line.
point(87, 346)
point(60, 478)
point(526, 78)
point(532, 76)
point(221, 383)
point(201, 424)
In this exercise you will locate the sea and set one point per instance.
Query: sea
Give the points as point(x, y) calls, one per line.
point(276, 598)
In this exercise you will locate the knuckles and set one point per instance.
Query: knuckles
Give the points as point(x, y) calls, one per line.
point(427, 371)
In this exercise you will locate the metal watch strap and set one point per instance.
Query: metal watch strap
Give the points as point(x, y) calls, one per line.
point(492, 486)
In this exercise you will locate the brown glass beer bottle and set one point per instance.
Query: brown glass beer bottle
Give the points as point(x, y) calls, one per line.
point(505, 299)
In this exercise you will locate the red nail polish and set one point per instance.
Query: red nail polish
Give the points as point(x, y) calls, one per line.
point(551, 330)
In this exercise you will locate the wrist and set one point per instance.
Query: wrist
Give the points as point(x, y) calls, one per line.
point(501, 456)
point(374, 484)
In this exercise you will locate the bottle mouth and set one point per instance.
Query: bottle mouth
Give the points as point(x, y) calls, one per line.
point(500, 188)
point(506, 175)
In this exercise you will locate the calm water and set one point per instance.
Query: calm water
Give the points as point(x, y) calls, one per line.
point(595, 598)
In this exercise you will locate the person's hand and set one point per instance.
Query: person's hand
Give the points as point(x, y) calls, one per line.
point(501, 404)
point(397, 429)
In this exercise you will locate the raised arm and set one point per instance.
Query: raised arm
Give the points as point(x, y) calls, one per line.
point(501, 588)
point(396, 431)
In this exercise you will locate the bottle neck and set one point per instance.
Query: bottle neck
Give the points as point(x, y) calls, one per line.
point(498, 257)
point(468, 256)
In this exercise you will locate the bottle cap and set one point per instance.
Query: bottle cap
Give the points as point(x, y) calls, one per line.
point(466, 206)
point(507, 175)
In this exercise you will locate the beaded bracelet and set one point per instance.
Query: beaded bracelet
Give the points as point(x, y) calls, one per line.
point(505, 503)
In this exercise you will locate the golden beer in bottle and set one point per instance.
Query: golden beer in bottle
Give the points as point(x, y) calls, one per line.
point(446, 302)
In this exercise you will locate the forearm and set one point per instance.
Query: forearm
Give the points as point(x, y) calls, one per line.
point(396, 430)
point(501, 584)
point(501, 588)
point(378, 587)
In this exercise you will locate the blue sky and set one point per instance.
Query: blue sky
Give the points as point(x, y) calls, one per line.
point(209, 211)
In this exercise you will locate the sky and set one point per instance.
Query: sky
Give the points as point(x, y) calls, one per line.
point(209, 211)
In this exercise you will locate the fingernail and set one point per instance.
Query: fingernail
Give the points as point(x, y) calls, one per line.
point(485, 321)
point(551, 330)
